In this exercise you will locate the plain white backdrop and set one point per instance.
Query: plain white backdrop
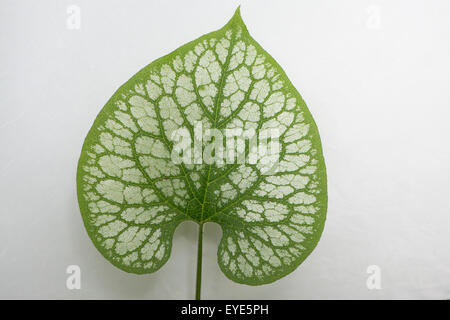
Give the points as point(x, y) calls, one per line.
point(375, 74)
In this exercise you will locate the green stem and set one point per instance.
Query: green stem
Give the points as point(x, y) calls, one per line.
point(199, 262)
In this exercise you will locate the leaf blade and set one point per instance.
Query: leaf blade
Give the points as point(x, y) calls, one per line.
point(224, 80)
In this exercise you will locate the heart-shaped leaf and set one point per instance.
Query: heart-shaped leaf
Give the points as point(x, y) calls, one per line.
point(138, 176)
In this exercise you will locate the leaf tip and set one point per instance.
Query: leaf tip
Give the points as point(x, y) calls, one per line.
point(237, 19)
point(238, 11)
point(237, 15)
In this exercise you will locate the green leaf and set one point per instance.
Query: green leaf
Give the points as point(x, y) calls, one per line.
point(133, 191)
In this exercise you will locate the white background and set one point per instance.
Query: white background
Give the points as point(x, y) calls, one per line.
point(375, 75)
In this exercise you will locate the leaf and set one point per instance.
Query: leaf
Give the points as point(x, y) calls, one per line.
point(133, 193)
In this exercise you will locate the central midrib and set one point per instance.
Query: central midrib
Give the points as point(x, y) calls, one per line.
point(217, 103)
